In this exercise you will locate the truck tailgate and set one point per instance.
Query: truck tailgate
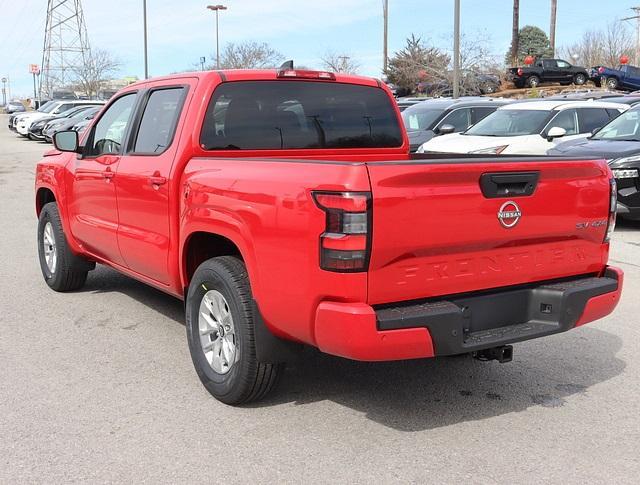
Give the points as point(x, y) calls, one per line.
point(437, 231)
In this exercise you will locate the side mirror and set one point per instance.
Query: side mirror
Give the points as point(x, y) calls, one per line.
point(446, 129)
point(556, 132)
point(66, 141)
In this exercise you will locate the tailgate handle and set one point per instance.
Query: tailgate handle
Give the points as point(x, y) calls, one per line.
point(508, 184)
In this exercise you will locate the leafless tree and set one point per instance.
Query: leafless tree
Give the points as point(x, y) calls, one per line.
point(250, 55)
point(335, 62)
point(98, 68)
point(602, 47)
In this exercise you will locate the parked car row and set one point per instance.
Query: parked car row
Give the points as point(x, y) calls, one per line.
point(54, 116)
point(607, 128)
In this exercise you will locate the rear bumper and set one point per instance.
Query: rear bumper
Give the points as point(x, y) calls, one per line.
point(462, 324)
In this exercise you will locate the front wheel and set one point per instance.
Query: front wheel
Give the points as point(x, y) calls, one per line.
point(221, 335)
point(61, 269)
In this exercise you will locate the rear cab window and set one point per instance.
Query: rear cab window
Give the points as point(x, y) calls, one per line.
point(282, 114)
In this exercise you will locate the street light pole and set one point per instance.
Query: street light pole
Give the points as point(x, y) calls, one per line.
point(456, 49)
point(146, 58)
point(216, 9)
point(385, 52)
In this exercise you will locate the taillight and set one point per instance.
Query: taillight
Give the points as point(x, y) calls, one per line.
point(613, 203)
point(520, 71)
point(346, 241)
point(601, 69)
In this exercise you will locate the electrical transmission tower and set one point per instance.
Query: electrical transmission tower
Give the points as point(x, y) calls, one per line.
point(66, 45)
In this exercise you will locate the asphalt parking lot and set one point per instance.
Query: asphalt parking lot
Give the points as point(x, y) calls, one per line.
point(98, 386)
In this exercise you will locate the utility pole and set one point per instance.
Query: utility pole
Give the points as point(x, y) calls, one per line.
point(637, 18)
point(552, 27)
point(342, 67)
point(66, 45)
point(146, 57)
point(385, 44)
point(216, 9)
point(515, 32)
point(456, 50)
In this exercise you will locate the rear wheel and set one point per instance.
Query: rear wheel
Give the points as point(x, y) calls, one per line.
point(220, 333)
point(579, 79)
point(533, 81)
point(61, 269)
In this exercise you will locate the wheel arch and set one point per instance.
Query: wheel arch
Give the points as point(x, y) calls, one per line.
point(44, 195)
point(201, 245)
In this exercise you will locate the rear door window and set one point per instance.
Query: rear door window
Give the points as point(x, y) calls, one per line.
point(481, 113)
point(565, 119)
point(255, 115)
point(591, 118)
point(460, 119)
point(159, 120)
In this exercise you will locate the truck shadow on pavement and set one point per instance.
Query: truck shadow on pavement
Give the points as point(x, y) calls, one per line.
point(426, 394)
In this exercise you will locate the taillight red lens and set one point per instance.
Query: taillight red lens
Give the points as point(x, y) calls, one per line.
point(520, 71)
point(601, 69)
point(613, 207)
point(346, 241)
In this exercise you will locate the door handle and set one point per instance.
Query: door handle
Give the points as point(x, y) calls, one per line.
point(157, 180)
point(108, 174)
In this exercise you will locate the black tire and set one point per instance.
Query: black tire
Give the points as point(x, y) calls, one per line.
point(597, 83)
point(70, 271)
point(247, 379)
point(612, 83)
point(533, 81)
point(579, 79)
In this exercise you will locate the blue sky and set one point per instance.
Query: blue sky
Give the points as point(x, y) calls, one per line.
point(182, 31)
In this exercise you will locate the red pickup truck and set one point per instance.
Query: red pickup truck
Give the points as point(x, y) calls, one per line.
point(284, 208)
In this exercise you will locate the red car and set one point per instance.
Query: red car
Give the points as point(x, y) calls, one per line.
point(284, 208)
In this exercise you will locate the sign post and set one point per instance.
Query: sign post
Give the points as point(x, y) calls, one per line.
point(35, 70)
point(4, 91)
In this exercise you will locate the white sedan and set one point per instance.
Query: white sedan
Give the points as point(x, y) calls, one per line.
point(529, 128)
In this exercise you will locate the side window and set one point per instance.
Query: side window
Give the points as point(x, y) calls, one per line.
point(633, 71)
point(158, 123)
point(591, 118)
point(108, 133)
point(565, 119)
point(550, 64)
point(481, 113)
point(459, 118)
point(613, 113)
point(62, 108)
point(563, 64)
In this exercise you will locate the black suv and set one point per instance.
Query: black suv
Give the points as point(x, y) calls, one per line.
point(547, 71)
